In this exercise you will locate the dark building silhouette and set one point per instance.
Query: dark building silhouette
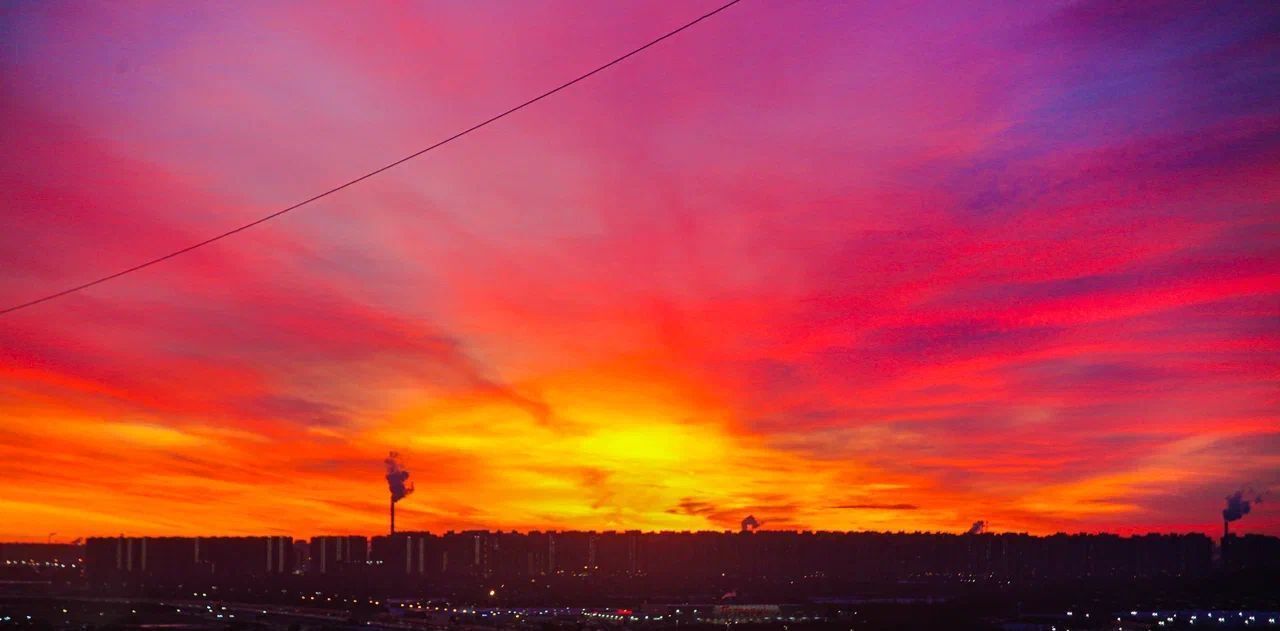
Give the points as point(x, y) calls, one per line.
point(1250, 552)
point(129, 560)
point(41, 553)
point(406, 554)
point(337, 554)
point(780, 554)
point(570, 552)
point(664, 564)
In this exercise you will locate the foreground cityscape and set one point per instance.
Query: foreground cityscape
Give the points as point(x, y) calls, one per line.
point(538, 580)
point(480, 579)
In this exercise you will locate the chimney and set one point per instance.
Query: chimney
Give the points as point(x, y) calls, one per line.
point(397, 483)
point(1226, 532)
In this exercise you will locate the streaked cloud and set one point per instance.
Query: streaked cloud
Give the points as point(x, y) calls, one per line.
point(836, 266)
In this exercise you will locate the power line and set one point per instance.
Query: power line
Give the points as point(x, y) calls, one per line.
point(373, 172)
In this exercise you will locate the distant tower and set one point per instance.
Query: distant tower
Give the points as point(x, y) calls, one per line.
point(1226, 533)
point(397, 483)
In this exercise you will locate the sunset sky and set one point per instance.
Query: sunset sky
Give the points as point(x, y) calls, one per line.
point(838, 265)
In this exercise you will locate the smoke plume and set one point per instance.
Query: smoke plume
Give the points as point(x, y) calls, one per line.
point(1238, 506)
point(397, 478)
point(977, 527)
point(750, 523)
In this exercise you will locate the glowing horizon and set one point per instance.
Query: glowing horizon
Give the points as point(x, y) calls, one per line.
point(838, 267)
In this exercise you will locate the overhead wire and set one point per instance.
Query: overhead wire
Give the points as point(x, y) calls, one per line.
point(388, 166)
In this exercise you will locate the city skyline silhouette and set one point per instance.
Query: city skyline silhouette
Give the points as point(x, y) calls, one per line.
point(838, 267)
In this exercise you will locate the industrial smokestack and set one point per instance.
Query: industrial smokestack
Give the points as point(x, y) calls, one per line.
point(1238, 506)
point(977, 528)
point(397, 482)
